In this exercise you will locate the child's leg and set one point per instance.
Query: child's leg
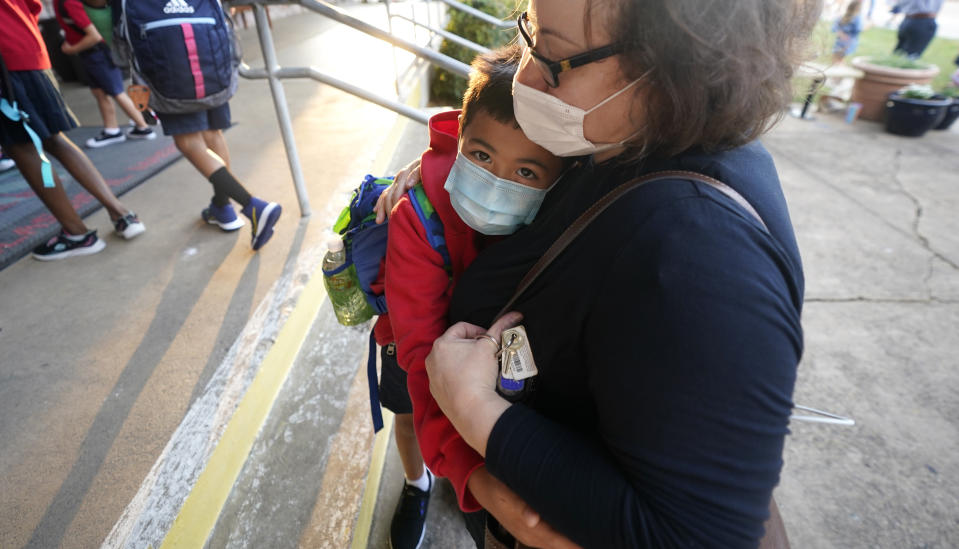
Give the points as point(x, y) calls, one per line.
point(217, 143)
point(55, 199)
point(207, 162)
point(130, 109)
point(195, 150)
point(408, 448)
point(80, 167)
point(107, 112)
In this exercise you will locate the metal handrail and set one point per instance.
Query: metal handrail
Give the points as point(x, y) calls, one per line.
point(479, 14)
point(309, 72)
point(455, 38)
point(273, 73)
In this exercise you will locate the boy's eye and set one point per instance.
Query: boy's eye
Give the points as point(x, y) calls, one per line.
point(526, 173)
point(481, 156)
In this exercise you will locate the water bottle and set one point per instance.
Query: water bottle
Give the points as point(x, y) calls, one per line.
point(343, 287)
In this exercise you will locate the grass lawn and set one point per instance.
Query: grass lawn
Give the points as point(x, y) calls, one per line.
point(879, 41)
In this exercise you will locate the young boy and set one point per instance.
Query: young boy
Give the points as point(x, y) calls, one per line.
point(483, 177)
point(82, 38)
point(29, 83)
point(199, 137)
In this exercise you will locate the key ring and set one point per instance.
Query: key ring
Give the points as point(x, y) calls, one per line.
point(491, 339)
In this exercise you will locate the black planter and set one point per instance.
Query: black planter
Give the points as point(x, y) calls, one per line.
point(952, 113)
point(914, 117)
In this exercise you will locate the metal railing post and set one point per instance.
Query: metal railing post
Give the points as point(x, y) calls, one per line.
point(282, 110)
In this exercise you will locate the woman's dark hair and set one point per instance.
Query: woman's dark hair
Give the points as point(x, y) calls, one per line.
point(490, 86)
point(716, 74)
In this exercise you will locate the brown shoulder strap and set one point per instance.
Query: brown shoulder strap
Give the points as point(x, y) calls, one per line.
point(587, 217)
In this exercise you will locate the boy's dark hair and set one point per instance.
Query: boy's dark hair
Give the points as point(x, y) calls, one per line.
point(490, 86)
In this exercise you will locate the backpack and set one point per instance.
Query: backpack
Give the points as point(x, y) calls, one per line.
point(365, 245)
point(183, 49)
point(365, 241)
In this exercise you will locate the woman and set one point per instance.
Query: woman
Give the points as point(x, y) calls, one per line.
point(667, 335)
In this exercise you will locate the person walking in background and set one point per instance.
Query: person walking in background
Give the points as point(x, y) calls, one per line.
point(82, 38)
point(847, 29)
point(918, 26)
point(30, 98)
point(190, 67)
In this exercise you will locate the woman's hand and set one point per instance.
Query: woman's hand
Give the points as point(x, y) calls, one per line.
point(404, 180)
point(462, 368)
point(513, 513)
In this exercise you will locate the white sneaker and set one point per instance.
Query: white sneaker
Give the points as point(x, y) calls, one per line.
point(129, 226)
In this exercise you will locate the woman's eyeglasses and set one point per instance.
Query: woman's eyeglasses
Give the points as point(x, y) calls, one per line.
point(550, 68)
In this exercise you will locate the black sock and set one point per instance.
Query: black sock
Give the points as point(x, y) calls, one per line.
point(226, 186)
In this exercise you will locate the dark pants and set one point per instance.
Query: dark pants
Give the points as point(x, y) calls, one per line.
point(914, 35)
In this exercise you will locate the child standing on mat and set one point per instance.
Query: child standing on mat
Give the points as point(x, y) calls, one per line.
point(82, 38)
point(186, 58)
point(30, 98)
point(484, 178)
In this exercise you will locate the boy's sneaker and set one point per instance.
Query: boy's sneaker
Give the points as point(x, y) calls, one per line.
point(105, 139)
point(6, 163)
point(263, 215)
point(145, 133)
point(129, 226)
point(224, 217)
point(62, 246)
point(409, 519)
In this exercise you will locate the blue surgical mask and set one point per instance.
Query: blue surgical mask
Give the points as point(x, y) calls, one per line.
point(488, 204)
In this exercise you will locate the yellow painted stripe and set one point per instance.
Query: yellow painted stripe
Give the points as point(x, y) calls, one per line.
point(364, 523)
point(202, 507)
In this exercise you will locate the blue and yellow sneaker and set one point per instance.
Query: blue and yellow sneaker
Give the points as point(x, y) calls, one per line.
point(222, 216)
point(263, 215)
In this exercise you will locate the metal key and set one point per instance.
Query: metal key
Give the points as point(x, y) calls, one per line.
point(508, 350)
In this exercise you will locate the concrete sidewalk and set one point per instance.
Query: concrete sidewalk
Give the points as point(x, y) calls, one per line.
point(124, 373)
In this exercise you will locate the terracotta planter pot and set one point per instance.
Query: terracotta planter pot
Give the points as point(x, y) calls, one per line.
point(873, 89)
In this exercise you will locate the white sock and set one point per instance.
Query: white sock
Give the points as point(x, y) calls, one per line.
point(111, 131)
point(74, 237)
point(423, 483)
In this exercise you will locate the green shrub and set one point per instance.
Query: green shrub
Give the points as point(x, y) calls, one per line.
point(897, 61)
point(447, 88)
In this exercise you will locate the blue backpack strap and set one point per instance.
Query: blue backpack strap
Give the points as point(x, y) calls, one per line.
point(375, 410)
point(9, 108)
point(431, 222)
point(13, 112)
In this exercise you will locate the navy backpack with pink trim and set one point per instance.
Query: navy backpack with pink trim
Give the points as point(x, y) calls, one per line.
point(184, 50)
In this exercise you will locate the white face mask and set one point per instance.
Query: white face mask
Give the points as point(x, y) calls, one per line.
point(555, 125)
point(488, 204)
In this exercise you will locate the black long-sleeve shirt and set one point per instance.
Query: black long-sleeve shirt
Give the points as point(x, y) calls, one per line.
point(667, 338)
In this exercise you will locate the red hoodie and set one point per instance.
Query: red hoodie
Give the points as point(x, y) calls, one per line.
point(418, 292)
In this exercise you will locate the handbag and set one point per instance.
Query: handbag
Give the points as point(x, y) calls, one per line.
point(775, 535)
